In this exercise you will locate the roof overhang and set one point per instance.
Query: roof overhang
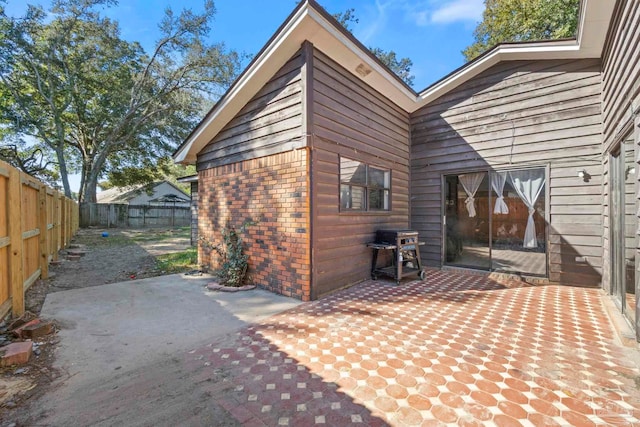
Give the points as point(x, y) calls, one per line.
point(188, 179)
point(310, 22)
point(593, 26)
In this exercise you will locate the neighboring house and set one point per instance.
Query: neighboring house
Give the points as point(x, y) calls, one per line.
point(522, 162)
point(192, 180)
point(162, 193)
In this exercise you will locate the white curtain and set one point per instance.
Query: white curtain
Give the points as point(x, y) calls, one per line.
point(470, 182)
point(528, 184)
point(498, 180)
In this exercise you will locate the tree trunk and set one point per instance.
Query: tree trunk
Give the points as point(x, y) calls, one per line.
point(90, 188)
point(92, 169)
point(64, 173)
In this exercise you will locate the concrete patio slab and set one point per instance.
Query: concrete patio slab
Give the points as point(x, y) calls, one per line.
point(128, 324)
point(119, 328)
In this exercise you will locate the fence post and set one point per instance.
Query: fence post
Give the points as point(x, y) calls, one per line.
point(56, 224)
point(44, 232)
point(15, 236)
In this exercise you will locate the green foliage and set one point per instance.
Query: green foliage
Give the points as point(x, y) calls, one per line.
point(148, 172)
point(347, 18)
point(101, 103)
point(523, 20)
point(233, 261)
point(401, 67)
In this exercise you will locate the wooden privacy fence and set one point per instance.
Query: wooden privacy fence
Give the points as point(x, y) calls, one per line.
point(35, 223)
point(139, 216)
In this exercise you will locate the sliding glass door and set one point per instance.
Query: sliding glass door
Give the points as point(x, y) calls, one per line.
point(519, 225)
point(497, 221)
point(467, 220)
point(623, 223)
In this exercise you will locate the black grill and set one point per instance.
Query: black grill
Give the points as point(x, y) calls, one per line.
point(397, 237)
point(406, 254)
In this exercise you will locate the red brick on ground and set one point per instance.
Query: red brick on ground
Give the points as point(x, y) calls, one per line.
point(19, 331)
point(17, 353)
point(37, 330)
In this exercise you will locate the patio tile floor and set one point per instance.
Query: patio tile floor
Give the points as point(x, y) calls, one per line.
point(455, 349)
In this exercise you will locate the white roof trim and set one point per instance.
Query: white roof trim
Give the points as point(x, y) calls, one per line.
point(310, 24)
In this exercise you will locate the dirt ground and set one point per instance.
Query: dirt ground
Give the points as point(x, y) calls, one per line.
point(123, 255)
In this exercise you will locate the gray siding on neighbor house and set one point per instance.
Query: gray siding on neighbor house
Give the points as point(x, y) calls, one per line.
point(519, 113)
point(620, 87)
point(270, 123)
point(351, 119)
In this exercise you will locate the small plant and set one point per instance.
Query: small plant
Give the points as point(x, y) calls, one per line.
point(233, 261)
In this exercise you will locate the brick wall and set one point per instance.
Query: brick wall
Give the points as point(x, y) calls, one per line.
point(274, 192)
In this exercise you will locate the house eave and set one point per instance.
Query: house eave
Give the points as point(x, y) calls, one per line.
point(593, 25)
point(309, 22)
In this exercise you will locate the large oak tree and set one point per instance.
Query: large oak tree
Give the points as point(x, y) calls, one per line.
point(99, 102)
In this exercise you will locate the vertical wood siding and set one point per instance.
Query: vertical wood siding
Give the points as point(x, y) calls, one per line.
point(620, 87)
point(518, 114)
point(351, 119)
point(270, 123)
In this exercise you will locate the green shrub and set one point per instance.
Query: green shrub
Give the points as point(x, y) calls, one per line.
point(233, 261)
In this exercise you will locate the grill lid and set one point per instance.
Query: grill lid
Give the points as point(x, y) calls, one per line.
point(391, 236)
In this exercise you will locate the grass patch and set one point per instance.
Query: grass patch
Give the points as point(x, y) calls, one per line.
point(159, 235)
point(178, 262)
point(97, 241)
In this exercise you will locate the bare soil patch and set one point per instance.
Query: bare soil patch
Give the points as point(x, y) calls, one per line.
point(125, 254)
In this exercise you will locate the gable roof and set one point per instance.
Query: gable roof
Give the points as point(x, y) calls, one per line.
point(310, 22)
point(125, 194)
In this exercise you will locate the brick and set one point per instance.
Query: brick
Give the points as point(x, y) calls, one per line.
point(17, 353)
point(76, 253)
point(38, 330)
point(18, 332)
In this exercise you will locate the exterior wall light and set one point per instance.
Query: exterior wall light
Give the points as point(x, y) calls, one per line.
point(584, 175)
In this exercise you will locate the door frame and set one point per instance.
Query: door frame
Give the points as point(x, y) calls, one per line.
point(489, 170)
point(616, 224)
point(617, 246)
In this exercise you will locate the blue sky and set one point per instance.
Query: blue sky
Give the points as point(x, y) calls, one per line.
point(430, 32)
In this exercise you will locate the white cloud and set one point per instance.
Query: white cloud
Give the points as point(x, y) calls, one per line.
point(376, 21)
point(458, 10)
point(379, 14)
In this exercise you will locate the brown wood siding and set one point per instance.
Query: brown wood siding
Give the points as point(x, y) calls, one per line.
point(518, 114)
point(620, 87)
point(351, 119)
point(194, 213)
point(270, 123)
